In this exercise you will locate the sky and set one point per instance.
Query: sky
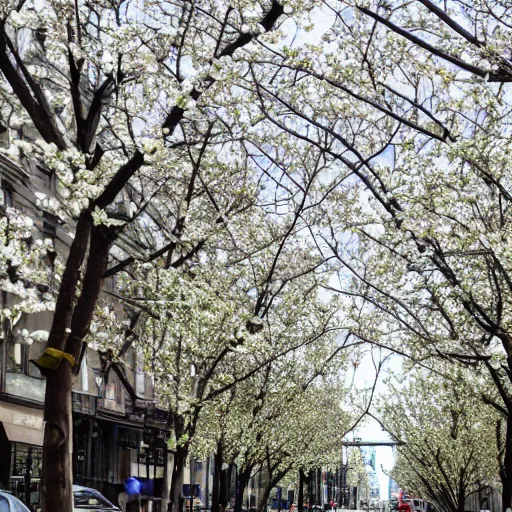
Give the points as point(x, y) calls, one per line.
point(384, 454)
point(370, 430)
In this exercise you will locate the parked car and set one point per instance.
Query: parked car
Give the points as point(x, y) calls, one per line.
point(9, 503)
point(88, 500)
point(85, 499)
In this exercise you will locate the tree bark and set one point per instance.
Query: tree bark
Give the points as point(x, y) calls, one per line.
point(242, 483)
point(224, 482)
point(216, 487)
point(225, 485)
point(311, 490)
point(319, 487)
point(56, 481)
point(180, 459)
point(262, 503)
point(273, 481)
point(300, 497)
point(167, 483)
point(506, 472)
point(461, 505)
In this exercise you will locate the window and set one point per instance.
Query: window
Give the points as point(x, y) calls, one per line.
point(50, 223)
point(139, 373)
point(4, 135)
point(5, 194)
point(88, 498)
point(113, 397)
point(22, 455)
point(17, 356)
point(19, 352)
point(84, 376)
point(35, 351)
point(110, 391)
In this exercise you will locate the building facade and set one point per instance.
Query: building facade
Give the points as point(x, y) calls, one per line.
point(119, 431)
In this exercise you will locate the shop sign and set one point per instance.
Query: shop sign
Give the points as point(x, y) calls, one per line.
point(27, 420)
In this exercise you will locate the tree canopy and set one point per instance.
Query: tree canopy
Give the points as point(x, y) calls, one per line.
point(243, 180)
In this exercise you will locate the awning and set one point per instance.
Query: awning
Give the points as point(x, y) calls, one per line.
point(23, 434)
point(22, 424)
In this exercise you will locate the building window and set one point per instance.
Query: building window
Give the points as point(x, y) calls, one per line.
point(5, 194)
point(24, 455)
point(140, 378)
point(84, 376)
point(17, 357)
point(34, 352)
point(110, 391)
point(19, 354)
point(4, 136)
point(113, 397)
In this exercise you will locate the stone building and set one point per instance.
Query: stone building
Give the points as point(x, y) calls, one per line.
point(119, 430)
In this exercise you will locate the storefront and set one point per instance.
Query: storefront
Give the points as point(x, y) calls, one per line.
point(108, 448)
point(21, 440)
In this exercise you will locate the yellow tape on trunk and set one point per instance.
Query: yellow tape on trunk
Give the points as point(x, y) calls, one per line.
point(52, 358)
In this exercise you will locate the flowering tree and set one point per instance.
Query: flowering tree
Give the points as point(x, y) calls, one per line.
point(199, 344)
point(435, 264)
point(413, 99)
point(260, 422)
point(449, 439)
point(289, 418)
point(295, 425)
point(127, 100)
point(169, 128)
point(25, 267)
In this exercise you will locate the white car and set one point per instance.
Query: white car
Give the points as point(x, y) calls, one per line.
point(85, 499)
point(9, 503)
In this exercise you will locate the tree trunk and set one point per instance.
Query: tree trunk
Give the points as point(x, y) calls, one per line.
point(167, 481)
point(225, 487)
point(217, 470)
point(242, 483)
point(300, 497)
point(56, 480)
point(230, 491)
point(273, 481)
point(262, 503)
point(318, 492)
point(311, 491)
point(461, 505)
point(180, 459)
point(506, 473)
